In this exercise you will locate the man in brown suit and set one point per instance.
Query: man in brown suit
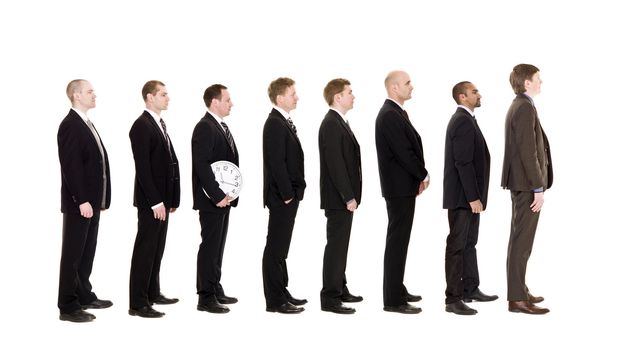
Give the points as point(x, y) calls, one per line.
point(527, 173)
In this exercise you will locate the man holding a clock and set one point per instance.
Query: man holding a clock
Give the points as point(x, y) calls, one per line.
point(212, 143)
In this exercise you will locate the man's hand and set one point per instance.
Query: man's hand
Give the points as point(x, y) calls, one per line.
point(85, 210)
point(476, 206)
point(352, 205)
point(539, 200)
point(224, 202)
point(160, 213)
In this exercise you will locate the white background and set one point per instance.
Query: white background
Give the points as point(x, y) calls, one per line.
point(576, 263)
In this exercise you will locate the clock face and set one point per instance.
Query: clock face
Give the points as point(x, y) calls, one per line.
point(229, 177)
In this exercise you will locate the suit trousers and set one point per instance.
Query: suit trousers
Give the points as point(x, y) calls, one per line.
point(338, 229)
point(146, 258)
point(80, 237)
point(522, 231)
point(210, 254)
point(461, 270)
point(279, 232)
point(400, 216)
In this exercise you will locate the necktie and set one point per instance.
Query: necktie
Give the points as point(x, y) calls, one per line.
point(166, 136)
point(290, 121)
point(99, 142)
point(228, 136)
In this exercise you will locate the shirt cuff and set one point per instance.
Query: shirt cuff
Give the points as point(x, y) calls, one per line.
point(157, 206)
point(539, 190)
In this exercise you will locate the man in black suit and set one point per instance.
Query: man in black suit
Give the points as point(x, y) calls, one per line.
point(211, 142)
point(85, 191)
point(402, 177)
point(157, 193)
point(341, 189)
point(465, 193)
point(527, 173)
point(283, 175)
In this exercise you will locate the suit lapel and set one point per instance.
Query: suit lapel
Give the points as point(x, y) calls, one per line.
point(220, 128)
point(156, 129)
point(282, 119)
point(345, 127)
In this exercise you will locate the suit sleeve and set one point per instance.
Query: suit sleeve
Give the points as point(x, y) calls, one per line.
point(202, 149)
point(140, 139)
point(523, 129)
point(395, 134)
point(72, 166)
point(463, 146)
point(274, 138)
point(332, 147)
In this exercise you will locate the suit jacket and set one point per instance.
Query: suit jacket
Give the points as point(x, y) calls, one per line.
point(157, 175)
point(283, 161)
point(527, 158)
point(400, 152)
point(467, 162)
point(339, 156)
point(208, 145)
point(81, 166)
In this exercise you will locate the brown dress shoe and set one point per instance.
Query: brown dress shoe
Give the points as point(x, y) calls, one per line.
point(534, 300)
point(526, 307)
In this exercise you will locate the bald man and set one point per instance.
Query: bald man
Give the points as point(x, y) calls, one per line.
point(403, 177)
point(85, 191)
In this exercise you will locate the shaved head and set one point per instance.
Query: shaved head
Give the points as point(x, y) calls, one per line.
point(398, 86)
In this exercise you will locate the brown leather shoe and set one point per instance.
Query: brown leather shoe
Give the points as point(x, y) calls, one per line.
point(526, 307)
point(534, 300)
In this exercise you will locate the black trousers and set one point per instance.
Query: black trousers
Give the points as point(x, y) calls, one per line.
point(210, 254)
point(80, 237)
point(279, 232)
point(461, 270)
point(146, 258)
point(338, 229)
point(522, 232)
point(400, 216)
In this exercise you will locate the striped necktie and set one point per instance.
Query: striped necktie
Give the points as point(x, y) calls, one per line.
point(228, 136)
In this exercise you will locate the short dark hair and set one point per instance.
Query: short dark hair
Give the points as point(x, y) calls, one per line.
point(278, 87)
point(335, 86)
point(521, 73)
point(459, 89)
point(151, 87)
point(212, 92)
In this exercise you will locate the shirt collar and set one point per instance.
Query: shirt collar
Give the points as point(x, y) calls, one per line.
point(283, 112)
point(81, 114)
point(339, 113)
point(154, 115)
point(468, 110)
point(397, 103)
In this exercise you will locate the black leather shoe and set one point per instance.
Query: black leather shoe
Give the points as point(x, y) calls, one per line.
point(338, 309)
point(213, 306)
point(163, 300)
point(349, 298)
point(98, 304)
point(296, 302)
point(479, 296)
point(286, 308)
point(146, 311)
point(403, 309)
point(77, 316)
point(460, 308)
point(412, 298)
point(224, 299)
point(535, 300)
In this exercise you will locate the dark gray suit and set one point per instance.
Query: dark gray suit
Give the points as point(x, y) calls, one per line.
point(526, 167)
